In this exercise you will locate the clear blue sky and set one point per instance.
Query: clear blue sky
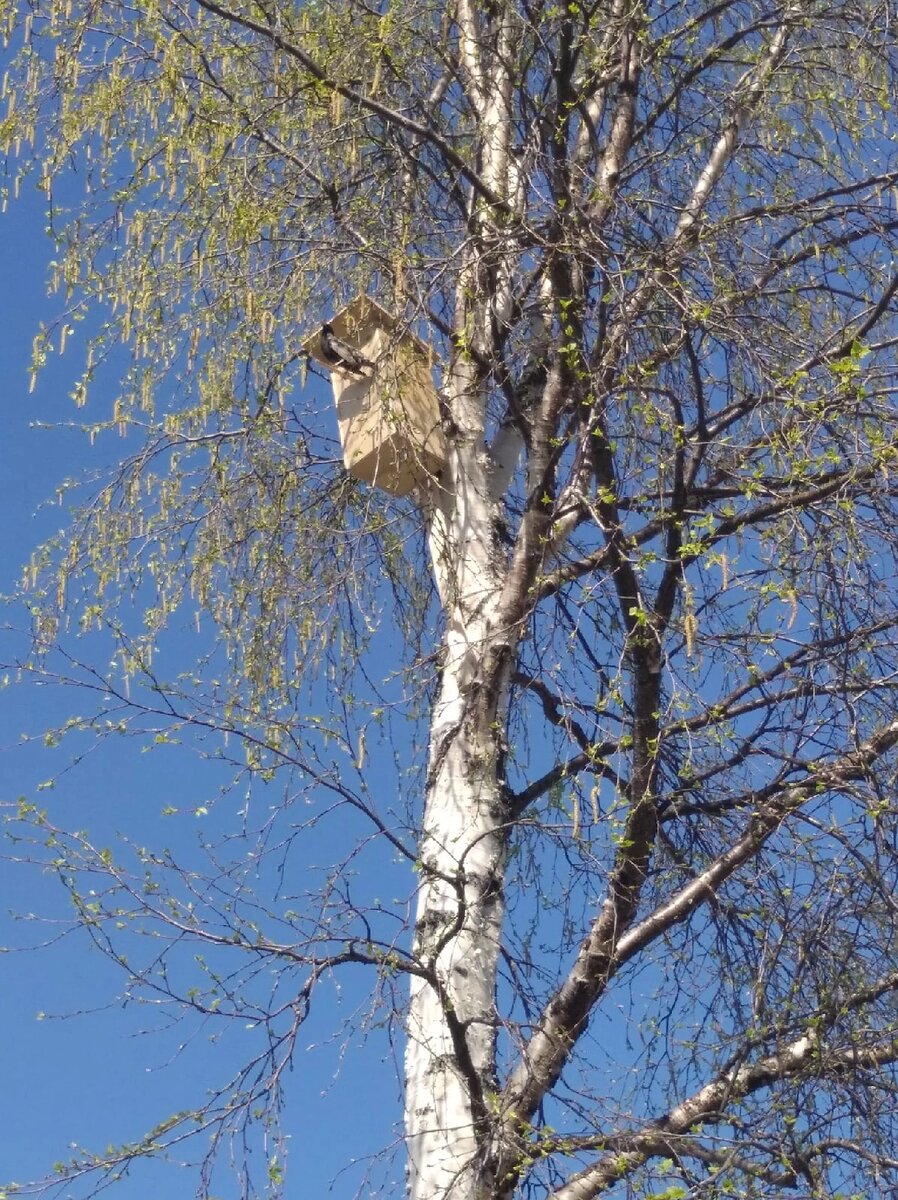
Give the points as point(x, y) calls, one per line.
point(98, 1077)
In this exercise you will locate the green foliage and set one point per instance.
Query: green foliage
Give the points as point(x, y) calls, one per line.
point(206, 239)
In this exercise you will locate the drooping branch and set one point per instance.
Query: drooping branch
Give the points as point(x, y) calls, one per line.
point(365, 101)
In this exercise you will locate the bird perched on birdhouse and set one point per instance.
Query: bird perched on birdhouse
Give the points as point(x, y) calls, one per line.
point(340, 354)
point(387, 408)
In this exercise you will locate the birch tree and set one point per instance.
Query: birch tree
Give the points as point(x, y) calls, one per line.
point(644, 704)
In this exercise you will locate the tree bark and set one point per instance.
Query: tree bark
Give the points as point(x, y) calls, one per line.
point(450, 1056)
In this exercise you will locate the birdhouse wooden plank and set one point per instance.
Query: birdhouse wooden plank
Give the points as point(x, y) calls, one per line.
point(388, 415)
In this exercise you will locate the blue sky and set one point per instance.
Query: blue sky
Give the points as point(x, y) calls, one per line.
point(111, 1072)
point(104, 1075)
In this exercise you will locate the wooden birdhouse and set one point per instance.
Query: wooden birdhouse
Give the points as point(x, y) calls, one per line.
point(388, 416)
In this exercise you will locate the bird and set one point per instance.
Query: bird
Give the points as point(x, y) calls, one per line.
point(334, 350)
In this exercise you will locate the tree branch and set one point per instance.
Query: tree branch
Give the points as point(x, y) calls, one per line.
point(710, 1102)
point(609, 944)
point(366, 102)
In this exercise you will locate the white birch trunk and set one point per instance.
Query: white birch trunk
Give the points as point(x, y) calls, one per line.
point(451, 1031)
point(452, 1021)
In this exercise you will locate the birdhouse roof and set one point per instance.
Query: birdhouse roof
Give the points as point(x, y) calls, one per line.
point(355, 323)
